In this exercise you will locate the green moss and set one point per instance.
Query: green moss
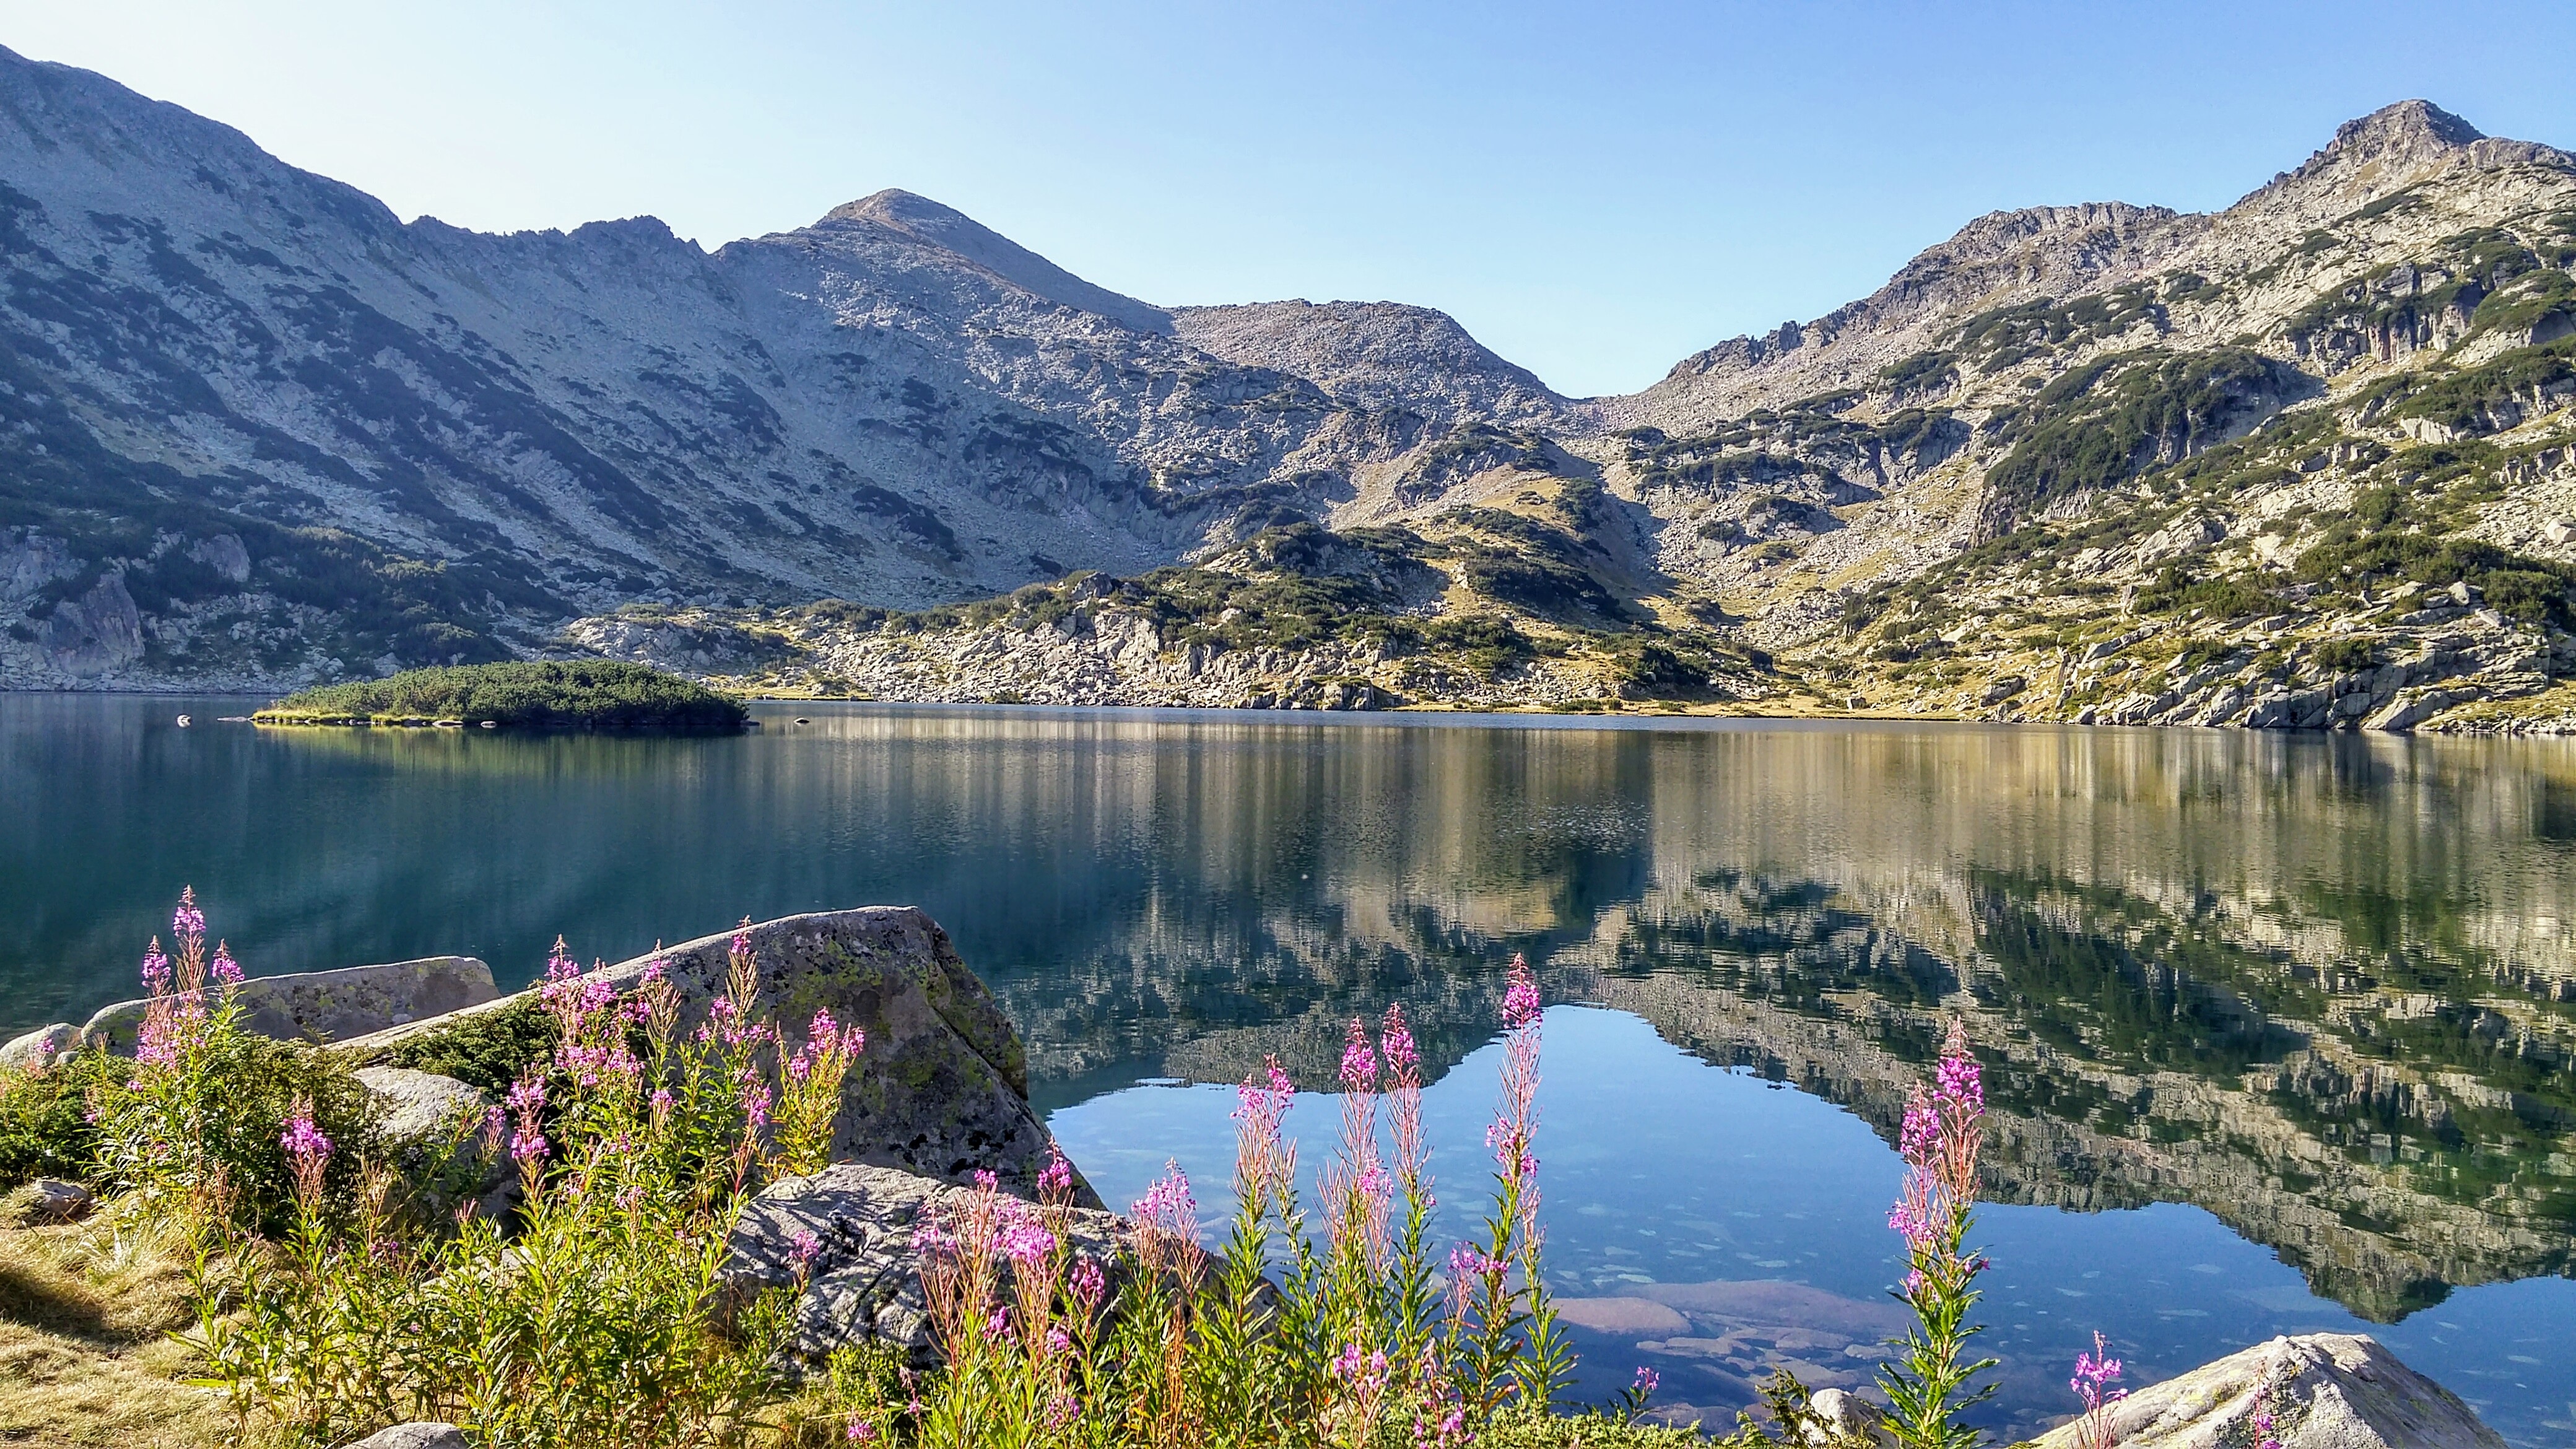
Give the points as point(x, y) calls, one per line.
point(581, 694)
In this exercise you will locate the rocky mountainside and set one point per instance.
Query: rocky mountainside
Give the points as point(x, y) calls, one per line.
point(2305, 461)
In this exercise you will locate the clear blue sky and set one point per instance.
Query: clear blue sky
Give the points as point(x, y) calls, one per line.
point(1595, 189)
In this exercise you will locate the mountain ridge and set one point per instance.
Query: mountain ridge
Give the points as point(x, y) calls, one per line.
point(406, 443)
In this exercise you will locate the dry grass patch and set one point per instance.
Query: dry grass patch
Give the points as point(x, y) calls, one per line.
point(86, 1360)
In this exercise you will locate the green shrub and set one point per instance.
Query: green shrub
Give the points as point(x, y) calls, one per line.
point(2340, 656)
point(45, 1130)
point(490, 1050)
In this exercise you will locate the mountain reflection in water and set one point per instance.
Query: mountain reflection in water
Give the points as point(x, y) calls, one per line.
point(2319, 987)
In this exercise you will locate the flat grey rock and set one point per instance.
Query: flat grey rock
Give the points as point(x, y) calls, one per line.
point(942, 1089)
point(865, 1281)
point(2325, 1391)
point(329, 1005)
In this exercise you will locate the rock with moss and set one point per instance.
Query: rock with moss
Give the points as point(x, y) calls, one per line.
point(324, 1006)
point(2322, 1390)
point(941, 1090)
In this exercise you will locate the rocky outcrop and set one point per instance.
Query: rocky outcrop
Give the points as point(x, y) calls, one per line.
point(862, 1282)
point(942, 1088)
point(2323, 1391)
point(39, 1048)
point(95, 634)
point(329, 1005)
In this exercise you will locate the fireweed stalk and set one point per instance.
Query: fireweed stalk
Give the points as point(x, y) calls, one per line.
point(1509, 1344)
point(1284, 1337)
point(599, 1321)
point(154, 1134)
point(1927, 1386)
point(2095, 1372)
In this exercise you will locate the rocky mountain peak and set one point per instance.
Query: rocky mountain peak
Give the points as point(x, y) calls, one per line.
point(929, 223)
point(2385, 152)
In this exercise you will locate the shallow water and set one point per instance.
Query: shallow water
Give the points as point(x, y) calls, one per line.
point(2277, 1029)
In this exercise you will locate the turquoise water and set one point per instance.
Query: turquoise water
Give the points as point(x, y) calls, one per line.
point(2277, 1030)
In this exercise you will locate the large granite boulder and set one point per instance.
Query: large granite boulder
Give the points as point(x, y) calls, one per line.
point(431, 1128)
point(942, 1089)
point(2324, 1391)
point(863, 1284)
point(329, 1005)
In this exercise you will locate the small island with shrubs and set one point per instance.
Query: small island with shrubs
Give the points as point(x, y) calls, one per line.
point(590, 694)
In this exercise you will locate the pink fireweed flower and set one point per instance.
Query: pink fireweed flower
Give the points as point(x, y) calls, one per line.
point(1921, 1134)
point(987, 1180)
point(932, 1240)
point(861, 1431)
point(225, 971)
point(742, 938)
point(804, 1247)
point(1056, 1178)
point(1469, 1261)
point(1647, 1381)
point(2094, 1373)
point(303, 1141)
point(1961, 1084)
point(187, 921)
point(1359, 1063)
point(1026, 1244)
point(307, 1151)
point(756, 1100)
point(156, 971)
point(1395, 1046)
point(1168, 1206)
point(1520, 1000)
point(1088, 1283)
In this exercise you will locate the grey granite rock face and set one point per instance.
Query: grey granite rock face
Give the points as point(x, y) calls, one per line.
point(415, 1436)
point(2324, 1390)
point(430, 1127)
point(864, 1284)
point(330, 1005)
point(942, 1088)
point(39, 1048)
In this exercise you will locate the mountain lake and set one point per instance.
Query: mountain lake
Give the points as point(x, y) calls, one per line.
point(2277, 1030)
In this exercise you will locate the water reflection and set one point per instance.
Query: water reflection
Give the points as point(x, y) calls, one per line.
point(2319, 988)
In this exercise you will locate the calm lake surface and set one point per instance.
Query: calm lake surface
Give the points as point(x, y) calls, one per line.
point(2278, 1031)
